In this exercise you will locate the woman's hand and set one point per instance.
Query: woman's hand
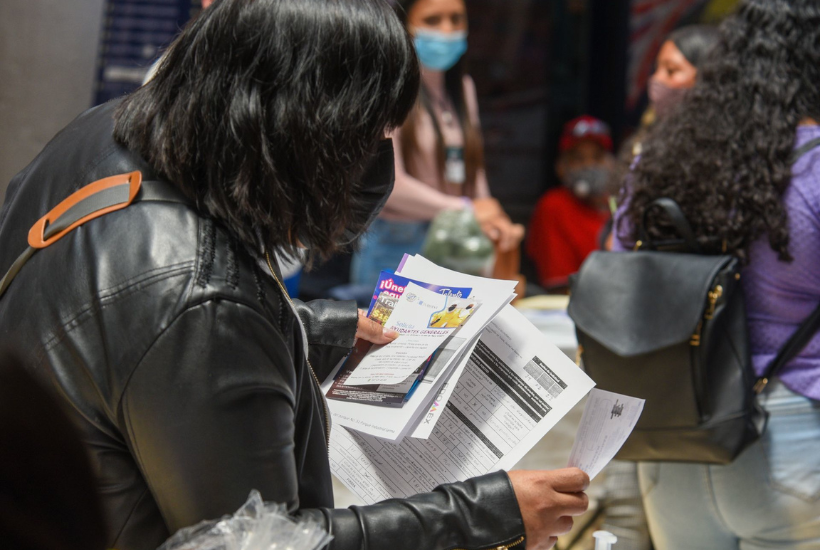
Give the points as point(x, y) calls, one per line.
point(371, 331)
point(505, 234)
point(548, 499)
point(497, 225)
point(487, 209)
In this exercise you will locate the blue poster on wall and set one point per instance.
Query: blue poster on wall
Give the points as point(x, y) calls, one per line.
point(135, 32)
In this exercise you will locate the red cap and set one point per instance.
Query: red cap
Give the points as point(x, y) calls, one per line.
point(585, 128)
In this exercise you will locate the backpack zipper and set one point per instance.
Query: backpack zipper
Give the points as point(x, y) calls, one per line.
point(714, 295)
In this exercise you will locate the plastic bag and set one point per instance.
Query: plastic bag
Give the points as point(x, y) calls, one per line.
point(456, 241)
point(255, 526)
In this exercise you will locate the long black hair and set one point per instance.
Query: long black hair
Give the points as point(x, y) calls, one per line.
point(724, 154)
point(695, 42)
point(454, 88)
point(267, 113)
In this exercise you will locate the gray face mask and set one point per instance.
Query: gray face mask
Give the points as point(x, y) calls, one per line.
point(664, 98)
point(587, 183)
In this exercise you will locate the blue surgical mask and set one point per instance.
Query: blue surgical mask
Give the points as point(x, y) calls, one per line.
point(439, 51)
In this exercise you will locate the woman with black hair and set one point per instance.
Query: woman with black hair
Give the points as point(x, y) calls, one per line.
point(725, 156)
point(682, 54)
point(164, 326)
point(439, 148)
point(684, 50)
point(676, 72)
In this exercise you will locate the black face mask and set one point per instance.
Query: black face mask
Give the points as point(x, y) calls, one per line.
point(377, 184)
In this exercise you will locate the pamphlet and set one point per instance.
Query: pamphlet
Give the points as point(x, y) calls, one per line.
point(389, 289)
point(411, 265)
point(424, 319)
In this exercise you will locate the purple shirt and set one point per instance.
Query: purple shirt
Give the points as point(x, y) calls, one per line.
point(780, 295)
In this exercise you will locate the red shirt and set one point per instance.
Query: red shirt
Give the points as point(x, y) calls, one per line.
point(563, 231)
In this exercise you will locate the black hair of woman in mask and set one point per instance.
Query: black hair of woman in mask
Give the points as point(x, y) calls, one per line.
point(677, 65)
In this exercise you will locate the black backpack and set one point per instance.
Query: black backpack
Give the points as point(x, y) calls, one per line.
point(670, 327)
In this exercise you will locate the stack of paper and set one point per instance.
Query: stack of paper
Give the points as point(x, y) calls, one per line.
point(468, 387)
point(424, 293)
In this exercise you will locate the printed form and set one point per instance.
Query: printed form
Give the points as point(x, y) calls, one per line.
point(513, 390)
point(428, 421)
point(418, 265)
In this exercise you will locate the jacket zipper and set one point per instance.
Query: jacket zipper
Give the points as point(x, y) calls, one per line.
point(307, 360)
point(324, 404)
point(503, 546)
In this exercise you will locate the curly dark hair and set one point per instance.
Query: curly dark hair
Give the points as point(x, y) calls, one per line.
point(724, 153)
point(267, 114)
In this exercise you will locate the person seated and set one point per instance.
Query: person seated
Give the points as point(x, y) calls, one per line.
point(567, 221)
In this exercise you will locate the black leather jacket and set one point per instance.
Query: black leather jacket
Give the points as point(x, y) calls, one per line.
point(183, 366)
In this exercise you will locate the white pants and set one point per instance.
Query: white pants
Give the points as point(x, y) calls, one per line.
point(768, 498)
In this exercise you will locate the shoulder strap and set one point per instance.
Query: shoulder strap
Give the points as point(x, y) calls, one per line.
point(806, 331)
point(678, 219)
point(92, 201)
point(803, 149)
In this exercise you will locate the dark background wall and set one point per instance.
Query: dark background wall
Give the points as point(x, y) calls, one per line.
point(536, 64)
point(527, 59)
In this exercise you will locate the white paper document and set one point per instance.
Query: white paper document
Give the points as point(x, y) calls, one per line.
point(513, 390)
point(607, 421)
point(414, 318)
point(428, 421)
point(396, 423)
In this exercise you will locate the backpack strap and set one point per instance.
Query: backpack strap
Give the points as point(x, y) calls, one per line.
point(88, 203)
point(678, 219)
point(803, 149)
point(799, 340)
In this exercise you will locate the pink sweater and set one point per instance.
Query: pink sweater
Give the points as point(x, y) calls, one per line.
point(419, 198)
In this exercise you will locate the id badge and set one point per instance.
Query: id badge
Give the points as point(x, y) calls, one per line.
point(454, 168)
